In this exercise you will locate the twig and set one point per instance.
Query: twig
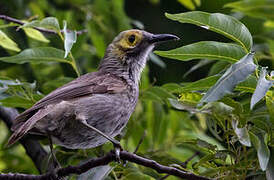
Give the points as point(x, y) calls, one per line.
point(17, 21)
point(164, 177)
point(140, 142)
point(184, 164)
point(109, 157)
point(32, 147)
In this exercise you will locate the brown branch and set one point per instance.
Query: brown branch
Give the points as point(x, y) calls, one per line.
point(33, 149)
point(109, 157)
point(17, 21)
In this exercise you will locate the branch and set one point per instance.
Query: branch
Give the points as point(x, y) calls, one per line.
point(17, 21)
point(38, 154)
point(109, 157)
point(33, 149)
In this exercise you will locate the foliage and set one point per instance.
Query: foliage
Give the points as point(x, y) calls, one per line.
point(210, 117)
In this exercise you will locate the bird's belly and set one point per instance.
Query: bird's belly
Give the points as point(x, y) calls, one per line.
point(108, 113)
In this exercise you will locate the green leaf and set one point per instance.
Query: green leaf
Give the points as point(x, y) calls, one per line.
point(190, 98)
point(181, 106)
point(204, 160)
point(219, 23)
point(35, 34)
point(237, 73)
point(157, 93)
point(218, 108)
point(187, 3)
point(218, 67)
point(270, 105)
point(238, 107)
point(16, 101)
point(263, 152)
point(270, 167)
point(210, 50)
point(255, 8)
point(202, 84)
point(37, 55)
point(242, 134)
point(171, 86)
point(70, 39)
point(7, 43)
point(248, 85)
point(262, 87)
point(200, 64)
point(47, 23)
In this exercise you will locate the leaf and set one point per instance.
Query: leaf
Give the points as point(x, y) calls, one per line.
point(238, 107)
point(181, 106)
point(200, 85)
point(190, 98)
point(171, 86)
point(47, 23)
point(206, 144)
point(263, 152)
point(255, 8)
point(237, 73)
point(157, 93)
point(200, 64)
point(189, 4)
point(70, 39)
point(218, 67)
point(248, 85)
point(242, 134)
point(7, 43)
point(35, 34)
point(262, 87)
point(219, 23)
point(204, 160)
point(157, 60)
point(37, 55)
point(210, 50)
point(218, 108)
point(270, 167)
point(270, 105)
point(6, 81)
point(16, 101)
point(97, 173)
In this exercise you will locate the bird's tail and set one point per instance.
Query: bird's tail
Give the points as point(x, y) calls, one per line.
point(24, 127)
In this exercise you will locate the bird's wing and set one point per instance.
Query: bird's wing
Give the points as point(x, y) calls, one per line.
point(92, 83)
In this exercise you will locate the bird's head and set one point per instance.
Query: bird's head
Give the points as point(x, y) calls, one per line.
point(129, 50)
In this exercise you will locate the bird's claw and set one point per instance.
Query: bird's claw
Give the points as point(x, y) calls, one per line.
point(117, 154)
point(117, 149)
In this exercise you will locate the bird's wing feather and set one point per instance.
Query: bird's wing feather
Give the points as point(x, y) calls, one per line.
point(92, 83)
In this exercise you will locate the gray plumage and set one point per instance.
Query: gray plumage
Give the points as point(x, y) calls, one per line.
point(104, 99)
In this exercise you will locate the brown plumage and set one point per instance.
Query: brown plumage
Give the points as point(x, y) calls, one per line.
point(103, 100)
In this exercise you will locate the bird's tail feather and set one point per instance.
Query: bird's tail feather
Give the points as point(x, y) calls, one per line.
point(26, 126)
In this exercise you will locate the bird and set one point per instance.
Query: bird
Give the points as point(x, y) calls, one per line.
point(95, 107)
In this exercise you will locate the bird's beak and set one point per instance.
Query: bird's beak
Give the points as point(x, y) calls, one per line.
point(155, 38)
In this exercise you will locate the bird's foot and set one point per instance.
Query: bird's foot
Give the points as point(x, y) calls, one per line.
point(117, 149)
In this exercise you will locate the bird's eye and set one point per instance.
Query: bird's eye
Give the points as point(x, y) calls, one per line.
point(131, 38)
